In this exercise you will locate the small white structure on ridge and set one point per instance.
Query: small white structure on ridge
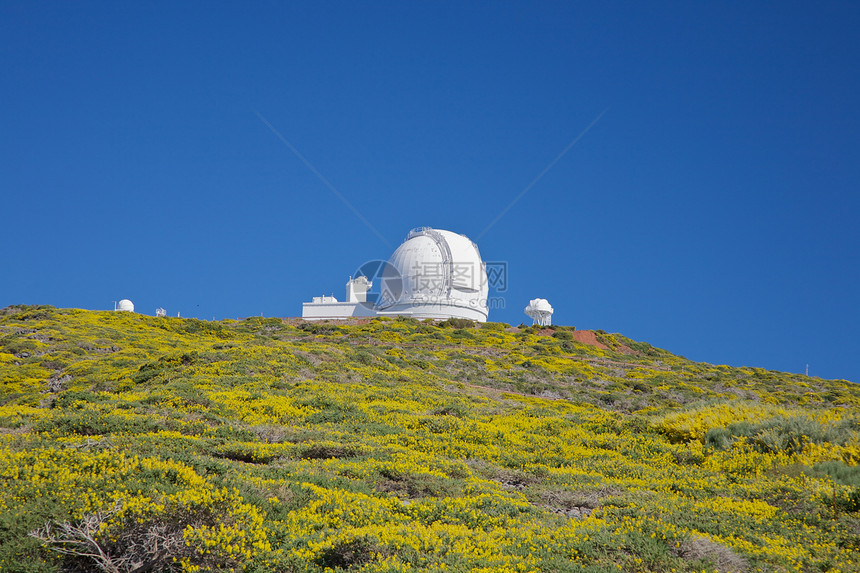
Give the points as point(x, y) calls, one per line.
point(356, 289)
point(160, 312)
point(124, 305)
point(540, 311)
point(434, 274)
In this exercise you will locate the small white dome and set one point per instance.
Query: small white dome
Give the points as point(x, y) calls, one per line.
point(539, 305)
point(125, 305)
point(540, 311)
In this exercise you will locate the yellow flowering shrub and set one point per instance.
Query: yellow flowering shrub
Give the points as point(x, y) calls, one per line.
point(267, 445)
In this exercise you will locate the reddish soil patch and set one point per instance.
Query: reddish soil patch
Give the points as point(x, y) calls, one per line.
point(588, 337)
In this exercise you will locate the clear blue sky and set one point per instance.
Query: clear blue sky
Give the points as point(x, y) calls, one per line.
point(712, 210)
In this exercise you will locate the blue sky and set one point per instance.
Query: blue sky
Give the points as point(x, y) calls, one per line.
point(711, 210)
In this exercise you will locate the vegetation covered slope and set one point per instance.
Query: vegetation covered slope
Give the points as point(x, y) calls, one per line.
point(134, 443)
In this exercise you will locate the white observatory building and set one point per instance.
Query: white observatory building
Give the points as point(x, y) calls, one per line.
point(434, 274)
point(328, 307)
point(124, 305)
point(540, 311)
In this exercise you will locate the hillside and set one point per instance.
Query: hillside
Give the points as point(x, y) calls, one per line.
point(135, 443)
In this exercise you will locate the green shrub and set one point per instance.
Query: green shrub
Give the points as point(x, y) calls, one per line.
point(363, 357)
point(36, 312)
point(456, 410)
point(838, 471)
point(457, 323)
point(326, 451)
point(843, 501)
point(87, 423)
point(318, 328)
point(462, 333)
point(719, 438)
point(781, 434)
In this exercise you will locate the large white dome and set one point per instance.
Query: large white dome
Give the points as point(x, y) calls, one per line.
point(125, 305)
point(442, 276)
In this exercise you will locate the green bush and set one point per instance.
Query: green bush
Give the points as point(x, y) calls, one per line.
point(781, 434)
point(318, 328)
point(457, 323)
point(89, 424)
point(719, 438)
point(462, 333)
point(839, 472)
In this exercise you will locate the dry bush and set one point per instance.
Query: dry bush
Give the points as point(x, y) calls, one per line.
point(92, 544)
point(698, 548)
point(569, 499)
point(146, 549)
point(347, 554)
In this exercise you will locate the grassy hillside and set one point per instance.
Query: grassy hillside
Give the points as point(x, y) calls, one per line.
point(135, 443)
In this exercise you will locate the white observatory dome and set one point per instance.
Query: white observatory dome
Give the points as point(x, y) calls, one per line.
point(539, 304)
point(442, 275)
point(125, 305)
point(540, 311)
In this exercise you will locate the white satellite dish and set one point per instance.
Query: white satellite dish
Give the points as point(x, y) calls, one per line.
point(540, 311)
